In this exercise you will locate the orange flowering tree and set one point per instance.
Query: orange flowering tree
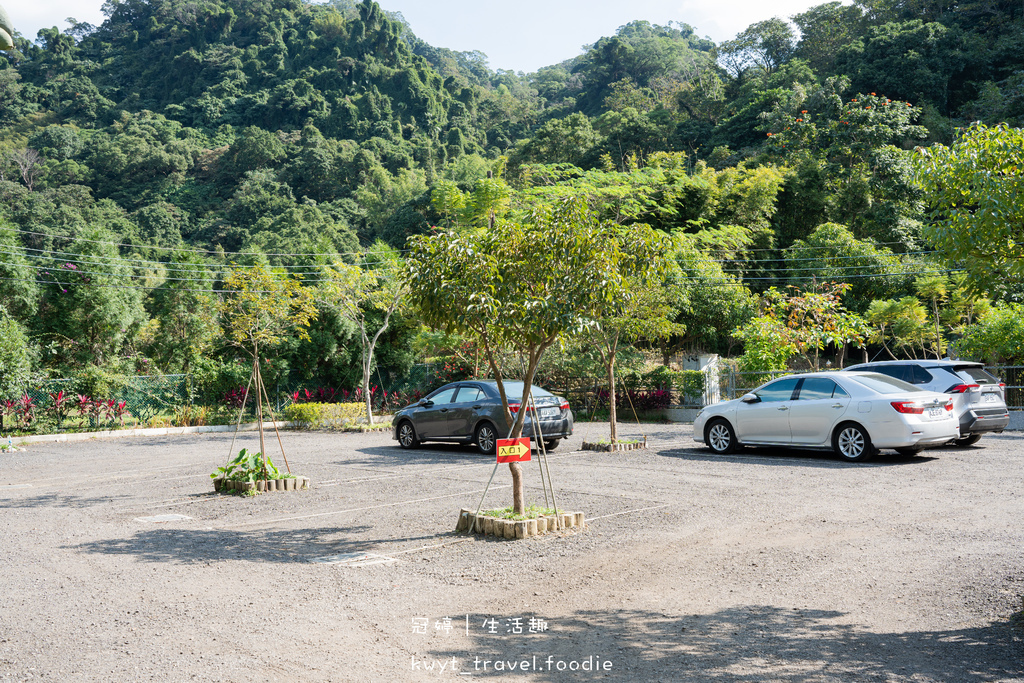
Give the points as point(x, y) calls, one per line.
point(859, 148)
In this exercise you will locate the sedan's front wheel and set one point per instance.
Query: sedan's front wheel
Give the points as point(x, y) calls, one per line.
point(852, 443)
point(720, 437)
point(486, 439)
point(407, 436)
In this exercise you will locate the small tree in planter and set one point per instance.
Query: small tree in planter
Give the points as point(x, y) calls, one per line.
point(522, 283)
point(640, 312)
point(260, 306)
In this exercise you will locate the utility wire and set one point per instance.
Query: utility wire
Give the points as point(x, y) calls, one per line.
point(184, 249)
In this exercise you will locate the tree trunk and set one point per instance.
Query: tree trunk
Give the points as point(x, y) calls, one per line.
point(258, 381)
point(841, 356)
point(938, 336)
point(518, 490)
point(612, 414)
point(366, 372)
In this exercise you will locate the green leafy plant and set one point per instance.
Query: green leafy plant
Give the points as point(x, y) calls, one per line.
point(248, 466)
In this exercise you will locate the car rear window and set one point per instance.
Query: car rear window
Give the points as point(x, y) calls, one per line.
point(884, 384)
point(514, 390)
point(978, 375)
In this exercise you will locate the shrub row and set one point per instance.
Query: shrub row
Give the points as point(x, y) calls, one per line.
point(321, 415)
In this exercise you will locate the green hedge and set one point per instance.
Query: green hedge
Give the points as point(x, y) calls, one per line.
point(324, 415)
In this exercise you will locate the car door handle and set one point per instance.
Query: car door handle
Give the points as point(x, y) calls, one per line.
point(783, 407)
point(444, 410)
point(837, 405)
point(477, 407)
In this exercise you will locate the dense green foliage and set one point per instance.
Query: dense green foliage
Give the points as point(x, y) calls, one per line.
point(144, 159)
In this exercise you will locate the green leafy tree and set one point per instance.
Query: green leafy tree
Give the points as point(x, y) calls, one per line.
point(764, 46)
point(974, 188)
point(261, 306)
point(91, 307)
point(524, 284)
point(903, 322)
point(640, 310)
point(373, 286)
point(934, 288)
point(184, 314)
point(15, 357)
point(19, 293)
point(996, 338)
point(855, 148)
point(832, 253)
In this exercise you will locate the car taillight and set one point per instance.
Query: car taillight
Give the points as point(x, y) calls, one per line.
point(907, 407)
point(949, 404)
point(564, 405)
point(963, 388)
point(514, 408)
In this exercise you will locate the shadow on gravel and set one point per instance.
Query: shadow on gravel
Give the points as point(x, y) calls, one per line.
point(737, 644)
point(192, 546)
point(58, 500)
point(424, 454)
point(783, 457)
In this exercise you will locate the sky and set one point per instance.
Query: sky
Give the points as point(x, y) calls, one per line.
point(521, 36)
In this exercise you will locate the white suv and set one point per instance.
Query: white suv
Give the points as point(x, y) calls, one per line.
point(979, 399)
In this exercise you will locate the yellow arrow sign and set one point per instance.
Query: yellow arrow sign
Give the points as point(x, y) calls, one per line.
point(513, 450)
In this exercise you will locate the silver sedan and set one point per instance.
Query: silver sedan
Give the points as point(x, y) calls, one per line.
point(852, 413)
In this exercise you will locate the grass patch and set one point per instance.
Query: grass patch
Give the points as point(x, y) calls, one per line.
point(533, 511)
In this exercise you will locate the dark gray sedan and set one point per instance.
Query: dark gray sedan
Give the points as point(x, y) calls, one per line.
point(471, 412)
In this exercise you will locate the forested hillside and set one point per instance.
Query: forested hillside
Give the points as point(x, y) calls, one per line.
point(139, 158)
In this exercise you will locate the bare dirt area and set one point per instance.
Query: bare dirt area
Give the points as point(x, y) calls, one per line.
point(759, 566)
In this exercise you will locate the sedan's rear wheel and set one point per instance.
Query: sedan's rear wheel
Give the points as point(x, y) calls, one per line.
point(720, 437)
point(852, 443)
point(486, 439)
point(407, 435)
point(968, 440)
point(551, 444)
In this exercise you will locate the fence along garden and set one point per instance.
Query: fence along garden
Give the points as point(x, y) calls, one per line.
point(57, 405)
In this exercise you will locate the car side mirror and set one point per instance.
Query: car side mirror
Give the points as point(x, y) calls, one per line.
point(750, 398)
point(425, 403)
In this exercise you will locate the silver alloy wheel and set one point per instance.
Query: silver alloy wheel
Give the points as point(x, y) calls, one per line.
point(406, 435)
point(719, 437)
point(852, 443)
point(485, 439)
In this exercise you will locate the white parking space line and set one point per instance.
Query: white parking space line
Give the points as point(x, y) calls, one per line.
point(629, 512)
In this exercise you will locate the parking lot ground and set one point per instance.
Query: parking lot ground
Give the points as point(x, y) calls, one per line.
point(760, 566)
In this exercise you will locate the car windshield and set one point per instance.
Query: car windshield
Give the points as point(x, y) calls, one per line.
point(514, 391)
point(883, 384)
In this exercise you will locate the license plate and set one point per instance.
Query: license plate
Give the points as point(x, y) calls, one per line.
point(548, 413)
point(936, 412)
point(989, 398)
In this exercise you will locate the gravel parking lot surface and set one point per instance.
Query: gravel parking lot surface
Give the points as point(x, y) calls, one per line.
point(759, 566)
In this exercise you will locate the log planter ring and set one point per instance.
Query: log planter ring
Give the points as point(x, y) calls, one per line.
point(222, 485)
point(609, 447)
point(512, 529)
